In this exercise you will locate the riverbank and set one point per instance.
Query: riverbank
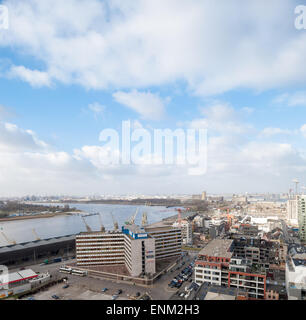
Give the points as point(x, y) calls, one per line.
point(168, 203)
point(38, 216)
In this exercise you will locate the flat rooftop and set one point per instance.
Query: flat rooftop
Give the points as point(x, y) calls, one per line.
point(218, 248)
point(159, 226)
point(135, 228)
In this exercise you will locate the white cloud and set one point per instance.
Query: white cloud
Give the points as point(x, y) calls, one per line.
point(149, 105)
point(303, 130)
point(268, 132)
point(221, 117)
point(97, 109)
point(296, 99)
point(35, 78)
point(13, 138)
point(28, 165)
point(213, 47)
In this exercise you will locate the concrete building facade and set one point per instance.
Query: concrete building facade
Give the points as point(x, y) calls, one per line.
point(292, 210)
point(302, 216)
point(138, 249)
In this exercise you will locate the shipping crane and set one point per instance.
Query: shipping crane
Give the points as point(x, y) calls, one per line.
point(35, 234)
point(11, 242)
point(133, 217)
point(179, 217)
point(116, 226)
point(86, 225)
point(144, 220)
point(102, 229)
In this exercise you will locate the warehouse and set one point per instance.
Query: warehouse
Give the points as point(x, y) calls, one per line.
point(37, 250)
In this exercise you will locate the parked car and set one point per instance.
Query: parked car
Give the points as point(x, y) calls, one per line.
point(137, 294)
point(55, 297)
point(119, 292)
point(114, 297)
point(66, 286)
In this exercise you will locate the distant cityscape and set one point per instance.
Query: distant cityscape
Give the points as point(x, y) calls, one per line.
point(216, 247)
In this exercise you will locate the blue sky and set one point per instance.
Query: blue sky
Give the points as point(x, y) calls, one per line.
point(69, 70)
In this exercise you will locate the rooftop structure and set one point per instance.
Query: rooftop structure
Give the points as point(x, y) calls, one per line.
point(16, 278)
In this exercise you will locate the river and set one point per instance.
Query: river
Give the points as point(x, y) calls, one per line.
point(22, 230)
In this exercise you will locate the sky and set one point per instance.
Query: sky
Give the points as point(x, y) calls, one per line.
point(71, 69)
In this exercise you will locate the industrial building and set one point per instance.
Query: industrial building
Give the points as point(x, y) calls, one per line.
point(138, 249)
point(16, 282)
point(37, 250)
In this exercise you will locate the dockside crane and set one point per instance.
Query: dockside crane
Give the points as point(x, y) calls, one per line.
point(86, 225)
point(116, 226)
point(144, 220)
point(11, 242)
point(102, 228)
point(133, 218)
point(35, 234)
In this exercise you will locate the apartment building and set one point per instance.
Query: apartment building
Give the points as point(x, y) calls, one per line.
point(259, 251)
point(302, 216)
point(292, 210)
point(217, 265)
point(186, 229)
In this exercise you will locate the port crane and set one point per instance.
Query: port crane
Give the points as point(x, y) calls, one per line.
point(11, 242)
point(116, 226)
point(133, 218)
point(102, 229)
point(35, 234)
point(86, 225)
point(144, 220)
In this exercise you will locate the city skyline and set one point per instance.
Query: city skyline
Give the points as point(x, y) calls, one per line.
point(237, 72)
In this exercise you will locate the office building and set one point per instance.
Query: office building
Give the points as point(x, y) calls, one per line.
point(168, 240)
point(138, 249)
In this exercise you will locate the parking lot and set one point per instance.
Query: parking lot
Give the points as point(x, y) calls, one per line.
point(90, 288)
point(184, 275)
